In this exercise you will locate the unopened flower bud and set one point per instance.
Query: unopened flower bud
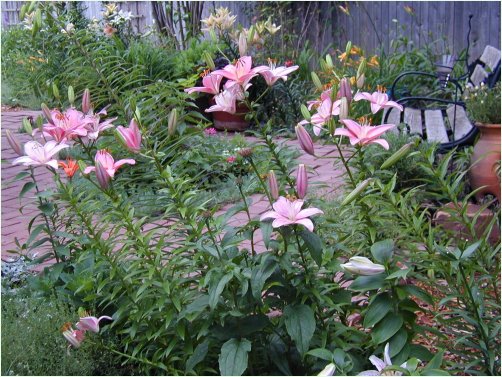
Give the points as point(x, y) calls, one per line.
point(398, 155)
point(272, 184)
point(301, 181)
point(329, 61)
point(316, 80)
point(305, 112)
point(362, 68)
point(239, 181)
point(348, 47)
point(344, 108)
point(14, 142)
point(243, 45)
point(360, 81)
point(27, 126)
point(345, 90)
point(172, 122)
point(209, 60)
point(47, 113)
point(246, 152)
point(71, 95)
point(304, 139)
point(55, 91)
point(86, 101)
point(362, 266)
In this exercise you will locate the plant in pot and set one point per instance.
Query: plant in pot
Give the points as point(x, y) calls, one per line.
point(483, 106)
point(228, 82)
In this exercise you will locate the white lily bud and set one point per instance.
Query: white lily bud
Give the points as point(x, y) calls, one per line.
point(362, 266)
point(243, 44)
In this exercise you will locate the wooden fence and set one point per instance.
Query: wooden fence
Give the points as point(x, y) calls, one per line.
point(369, 24)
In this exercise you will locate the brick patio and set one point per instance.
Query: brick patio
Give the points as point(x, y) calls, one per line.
point(324, 181)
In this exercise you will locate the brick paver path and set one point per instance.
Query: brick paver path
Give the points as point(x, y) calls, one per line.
point(324, 181)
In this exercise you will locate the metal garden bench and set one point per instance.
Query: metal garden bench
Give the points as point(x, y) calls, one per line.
point(436, 117)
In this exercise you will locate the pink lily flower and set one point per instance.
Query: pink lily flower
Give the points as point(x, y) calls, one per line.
point(225, 101)
point(324, 95)
point(74, 337)
point(211, 85)
point(379, 100)
point(91, 323)
point(288, 212)
point(94, 127)
point(323, 115)
point(64, 126)
point(241, 72)
point(37, 154)
point(130, 137)
point(105, 167)
point(272, 73)
point(363, 134)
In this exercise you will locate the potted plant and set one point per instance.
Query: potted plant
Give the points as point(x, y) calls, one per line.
point(483, 106)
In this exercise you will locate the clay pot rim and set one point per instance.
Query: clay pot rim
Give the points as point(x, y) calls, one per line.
point(487, 125)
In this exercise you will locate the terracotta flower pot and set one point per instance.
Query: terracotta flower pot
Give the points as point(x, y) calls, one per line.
point(231, 122)
point(484, 161)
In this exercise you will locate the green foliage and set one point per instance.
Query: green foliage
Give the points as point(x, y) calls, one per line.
point(483, 103)
point(32, 343)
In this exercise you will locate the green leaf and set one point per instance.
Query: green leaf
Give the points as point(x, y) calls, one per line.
point(215, 291)
point(387, 327)
point(260, 275)
point(398, 341)
point(46, 208)
point(436, 361)
point(21, 175)
point(382, 251)
point(321, 353)
point(300, 325)
point(368, 283)
point(419, 293)
point(314, 244)
point(266, 231)
point(198, 355)
point(399, 274)
point(233, 359)
point(470, 250)
point(27, 187)
point(377, 309)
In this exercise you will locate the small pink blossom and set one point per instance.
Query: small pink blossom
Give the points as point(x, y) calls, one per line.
point(64, 126)
point(74, 337)
point(210, 131)
point(364, 134)
point(225, 101)
point(288, 212)
point(105, 167)
point(130, 137)
point(211, 85)
point(231, 159)
point(240, 72)
point(91, 323)
point(323, 115)
point(94, 126)
point(271, 73)
point(378, 100)
point(37, 154)
point(288, 63)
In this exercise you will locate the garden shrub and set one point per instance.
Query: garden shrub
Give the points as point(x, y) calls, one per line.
point(32, 344)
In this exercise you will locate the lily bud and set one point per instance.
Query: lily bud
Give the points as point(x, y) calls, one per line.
point(14, 143)
point(362, 68)
point(47, 113)
point(27, 126)
point(401, 153)
point(348, 47)
point(272, 184)
point(55, 90)
point(345, 89)
point(251, 33)
point(344, 108)
point(305, 140)
point(329, 61)
point(329, 370)
point(360, 81)
point(301, 181)
point(71, 95)
point(362, 266)
point(243, 44)
point(316, 80)
point(355, 193)
point(209, 60)
point(86, 101)
point(305, 112)
point(172, 122)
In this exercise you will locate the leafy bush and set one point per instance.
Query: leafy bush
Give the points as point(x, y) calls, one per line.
point(32, 343)
point(483, 103)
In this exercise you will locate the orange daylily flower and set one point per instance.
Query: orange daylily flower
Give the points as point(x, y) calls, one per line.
point(70, 167)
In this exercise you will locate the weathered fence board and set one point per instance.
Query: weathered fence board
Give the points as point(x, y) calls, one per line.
point(370, 25)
